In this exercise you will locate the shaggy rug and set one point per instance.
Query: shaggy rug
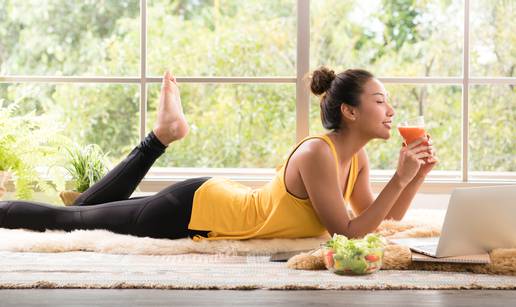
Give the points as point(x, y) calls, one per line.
point(417, 223)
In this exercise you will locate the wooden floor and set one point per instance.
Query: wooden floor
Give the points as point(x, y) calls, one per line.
point(143, 297)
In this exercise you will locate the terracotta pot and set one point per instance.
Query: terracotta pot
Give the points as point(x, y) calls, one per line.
point(4, 176)
point(69, 197)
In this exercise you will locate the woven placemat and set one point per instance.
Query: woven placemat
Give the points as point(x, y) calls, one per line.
point(201, 271)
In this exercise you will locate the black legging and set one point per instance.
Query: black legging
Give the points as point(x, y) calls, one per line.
point(106, 204)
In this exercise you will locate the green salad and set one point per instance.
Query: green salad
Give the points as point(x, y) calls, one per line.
point(356, 256)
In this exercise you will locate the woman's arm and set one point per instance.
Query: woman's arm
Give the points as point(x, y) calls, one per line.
point(317, 171)
point(321, 182)
point(362, 196)
point(403, 203)
point(371, 217)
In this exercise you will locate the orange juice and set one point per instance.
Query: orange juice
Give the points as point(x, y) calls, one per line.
point(411, 133)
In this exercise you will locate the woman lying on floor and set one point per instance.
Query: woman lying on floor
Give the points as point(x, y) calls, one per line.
point(306, 198)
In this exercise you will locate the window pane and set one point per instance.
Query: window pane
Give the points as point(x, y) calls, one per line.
point(59, 37)
point(107, 115)
point(231, 125)
point(222, 38)
point(492, 124)
point(391, 38)
point(493, 40)
point(441, 107)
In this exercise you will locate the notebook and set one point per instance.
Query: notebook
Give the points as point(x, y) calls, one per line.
point(424, 250)
point(480, 258)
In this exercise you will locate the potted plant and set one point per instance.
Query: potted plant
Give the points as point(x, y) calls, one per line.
point(26, 142)
point(10, 163)
point(85, 166)
point(4, 176)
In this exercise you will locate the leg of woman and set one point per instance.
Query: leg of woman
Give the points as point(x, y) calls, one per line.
point(120, 182)
point(167, 214)
point(39, 217)
point(171, 126)
point(164, 215)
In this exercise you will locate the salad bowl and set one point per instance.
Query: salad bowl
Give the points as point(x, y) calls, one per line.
point(345, 256)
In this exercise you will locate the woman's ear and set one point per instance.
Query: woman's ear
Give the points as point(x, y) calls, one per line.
point(349, 112)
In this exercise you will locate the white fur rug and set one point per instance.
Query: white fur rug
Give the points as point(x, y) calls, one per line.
point(102, 241)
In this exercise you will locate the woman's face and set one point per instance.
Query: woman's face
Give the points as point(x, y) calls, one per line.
point(375, 112)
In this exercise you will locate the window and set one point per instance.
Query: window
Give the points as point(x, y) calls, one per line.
point(493, 42)
point(492, 113)
point(389, 38)
point(232, 126)
point(492, 123)
point(74, 110)
point(228, 38)
point(69, 38)
point(241, 63)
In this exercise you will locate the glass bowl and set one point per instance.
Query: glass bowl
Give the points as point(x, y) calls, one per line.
point(358, 264)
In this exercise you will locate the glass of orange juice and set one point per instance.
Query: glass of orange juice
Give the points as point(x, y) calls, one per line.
point(412, 129)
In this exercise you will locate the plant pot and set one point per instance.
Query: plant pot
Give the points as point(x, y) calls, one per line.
point(4, 176)
point(69, 197)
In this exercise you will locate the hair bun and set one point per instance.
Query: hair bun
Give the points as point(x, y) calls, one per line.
point(321, 80)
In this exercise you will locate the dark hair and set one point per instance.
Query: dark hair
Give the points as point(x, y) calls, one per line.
point(345, 87)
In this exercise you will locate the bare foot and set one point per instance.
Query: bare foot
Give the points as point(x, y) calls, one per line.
point(171, 123)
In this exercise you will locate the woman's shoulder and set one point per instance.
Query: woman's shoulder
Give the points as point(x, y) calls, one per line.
point(309, 149)
point(316, 144)
point(305, 151)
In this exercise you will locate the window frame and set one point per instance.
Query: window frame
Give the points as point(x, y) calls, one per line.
point(437, 181)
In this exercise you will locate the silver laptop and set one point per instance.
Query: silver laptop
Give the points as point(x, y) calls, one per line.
point(477, 221)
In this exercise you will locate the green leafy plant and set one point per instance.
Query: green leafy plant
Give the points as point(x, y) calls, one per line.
point(11, 162)
point(28, 142)
point(86, 166)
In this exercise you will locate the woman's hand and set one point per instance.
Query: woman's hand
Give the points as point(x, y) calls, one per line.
point(412, 158)
point(430, 162)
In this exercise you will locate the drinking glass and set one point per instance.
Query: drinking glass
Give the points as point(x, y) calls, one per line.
point(412, 129)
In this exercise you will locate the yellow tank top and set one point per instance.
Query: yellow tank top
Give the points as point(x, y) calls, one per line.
point(230, 210)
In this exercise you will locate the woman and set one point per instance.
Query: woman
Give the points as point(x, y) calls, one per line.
point(306, 198)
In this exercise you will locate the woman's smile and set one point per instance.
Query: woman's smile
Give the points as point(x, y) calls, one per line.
point(388, 124)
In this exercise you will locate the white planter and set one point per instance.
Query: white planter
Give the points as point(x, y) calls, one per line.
point(4, 176)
